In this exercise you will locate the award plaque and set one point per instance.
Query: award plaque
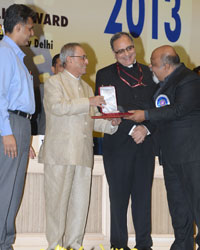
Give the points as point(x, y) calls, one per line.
point(109, 110)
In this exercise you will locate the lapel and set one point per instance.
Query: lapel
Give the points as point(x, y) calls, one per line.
point(158, 91)
point(173, 79)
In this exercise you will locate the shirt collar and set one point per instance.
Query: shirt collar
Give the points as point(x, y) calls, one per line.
point(130, 66)
point(14, 46)
point(133, 65)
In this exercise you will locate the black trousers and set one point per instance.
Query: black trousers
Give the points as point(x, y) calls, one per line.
point(182, 183)
point(130, 174)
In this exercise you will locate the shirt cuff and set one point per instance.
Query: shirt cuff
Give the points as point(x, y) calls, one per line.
point(131, 131)
point(5, 128)
point(148, 132)
point(146, 114)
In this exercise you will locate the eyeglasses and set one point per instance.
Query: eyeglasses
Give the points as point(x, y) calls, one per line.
point(84, 57)
point(122, 51)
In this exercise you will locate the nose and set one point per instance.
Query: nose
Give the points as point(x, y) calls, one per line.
point(150, 66)
point(86, 61)
point(126, 52)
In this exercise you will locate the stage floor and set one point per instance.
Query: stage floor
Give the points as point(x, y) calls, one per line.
point(38, 241)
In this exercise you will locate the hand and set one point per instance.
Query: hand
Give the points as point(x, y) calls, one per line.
point(10, 146)
point(97, 101)
point(116, 121)
point(32, 153)
point(137, 115)
point(139, 134)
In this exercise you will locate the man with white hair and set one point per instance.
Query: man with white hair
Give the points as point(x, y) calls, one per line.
point(67, 152)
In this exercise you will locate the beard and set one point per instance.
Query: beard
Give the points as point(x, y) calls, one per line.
point(155, 78)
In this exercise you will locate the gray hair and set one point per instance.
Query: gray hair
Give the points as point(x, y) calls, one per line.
point(117, 36)
point(68, 50)
point(173, 60)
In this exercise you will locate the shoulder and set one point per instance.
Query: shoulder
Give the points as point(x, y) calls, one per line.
point(184, 74)
point(4, 44)
point(8, 59)
point(106, 74)
point(190, 73)
point(5, 50)
point(109, 68)
point(53, 80)
point(145, 68)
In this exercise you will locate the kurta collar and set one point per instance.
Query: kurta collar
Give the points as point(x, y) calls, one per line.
point(76, 78)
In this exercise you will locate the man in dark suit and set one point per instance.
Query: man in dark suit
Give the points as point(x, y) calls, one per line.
point(178, 117)
point(128, 155)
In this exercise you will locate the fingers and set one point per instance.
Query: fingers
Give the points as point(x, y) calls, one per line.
point(10, 146)
point(131, 111)
point(97, 101)
point(137, 115)
point(139, 134)
point(130, 117)
point(138, 140)
point(100, 101)
point(116, 121)
point(32, 153)
point(11, 151)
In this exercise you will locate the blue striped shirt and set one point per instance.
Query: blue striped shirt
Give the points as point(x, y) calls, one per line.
point(16, 84)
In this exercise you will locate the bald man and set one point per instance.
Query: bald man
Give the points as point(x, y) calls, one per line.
point(177, 115)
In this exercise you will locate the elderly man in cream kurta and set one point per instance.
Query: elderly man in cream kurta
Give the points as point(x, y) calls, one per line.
point(67, 151)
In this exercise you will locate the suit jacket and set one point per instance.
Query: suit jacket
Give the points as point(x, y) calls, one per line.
point(41, 115)
point(179, 122)
point(68, 136)
point(127, 99)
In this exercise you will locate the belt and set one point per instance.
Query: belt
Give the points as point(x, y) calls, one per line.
point(21, 113)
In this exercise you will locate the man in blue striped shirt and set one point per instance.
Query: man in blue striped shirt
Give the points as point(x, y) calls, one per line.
point(16, 107)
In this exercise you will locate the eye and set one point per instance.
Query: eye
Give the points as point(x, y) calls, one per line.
point(120, 51)
point(129, 48)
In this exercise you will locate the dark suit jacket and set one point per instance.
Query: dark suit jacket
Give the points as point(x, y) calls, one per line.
point(179, 122)
point(41, 120)
point(127, 99)
point(38, 119)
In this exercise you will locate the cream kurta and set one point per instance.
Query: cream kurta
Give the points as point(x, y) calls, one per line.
point(69, 127)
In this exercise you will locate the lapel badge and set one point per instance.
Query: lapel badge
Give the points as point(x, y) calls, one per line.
point(162, 100)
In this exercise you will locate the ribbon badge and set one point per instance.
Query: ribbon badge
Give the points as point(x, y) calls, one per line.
point(162, 100)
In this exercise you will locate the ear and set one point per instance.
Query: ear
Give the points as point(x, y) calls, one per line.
point(167, 66)
point(53, 69)
point(115, 55)
point(17, 27)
